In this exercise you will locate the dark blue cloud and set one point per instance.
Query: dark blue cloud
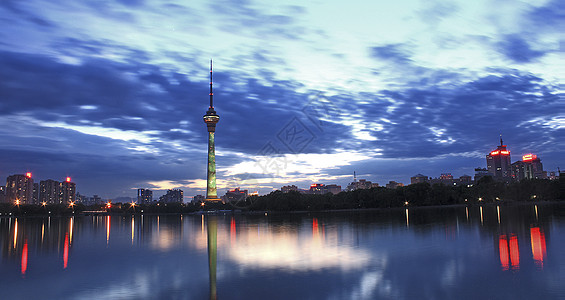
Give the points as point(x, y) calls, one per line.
point(517, 49)
point(132, 3)
point(24, 13)
point(393, 52)
point(550, 16)
point(462, 115)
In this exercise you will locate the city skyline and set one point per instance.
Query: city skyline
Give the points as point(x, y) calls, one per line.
point(386, 90)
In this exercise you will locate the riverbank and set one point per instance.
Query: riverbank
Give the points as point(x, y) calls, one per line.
point(59, 210)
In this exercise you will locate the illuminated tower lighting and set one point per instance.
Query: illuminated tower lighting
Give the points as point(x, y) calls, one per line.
point(211, 118)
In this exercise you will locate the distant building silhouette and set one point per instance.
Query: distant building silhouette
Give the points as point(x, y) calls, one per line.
point(144, 196)
point(49, 191)
point(289, 188)
point(322, 189)
point(465, 180)
point(480, 173)
point(317, 188)
point(198, 198)
point(235, 195)
point(419, 178)
point(362, 184)
point(172, 196)
point(35, 193)
point(393, 184)
point(3, 192)
point(19, 188)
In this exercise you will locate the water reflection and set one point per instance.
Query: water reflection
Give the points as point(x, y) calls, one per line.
point(24, 259)
point(212, 254)
point(537, 238)
point(509, 252)
point(364, 255)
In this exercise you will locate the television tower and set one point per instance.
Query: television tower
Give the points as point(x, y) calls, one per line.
point(211, 118)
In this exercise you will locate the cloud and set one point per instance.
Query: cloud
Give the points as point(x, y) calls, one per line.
point(518, 49)
point(391, 52)
point(549, 17)
point(26, 13)
point(246, 18)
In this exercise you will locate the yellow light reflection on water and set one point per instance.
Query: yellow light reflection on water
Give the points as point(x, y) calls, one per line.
point(132, 229)
point(202, 226)
point(498, 213)
point(407, 222)
point(287, 249)
point(71, 226)
point(108, 230)
point(15, 232)
point(481, 210)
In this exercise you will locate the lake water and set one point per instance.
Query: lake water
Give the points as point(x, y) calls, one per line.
point(490, 252)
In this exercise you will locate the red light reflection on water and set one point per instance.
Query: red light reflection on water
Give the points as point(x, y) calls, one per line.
point(232, 231)
point(24, 259)
point(538, 246)
point(503, 251)
point(509, 252)
point(66, 251)
point(315, 227)
point(514, 253)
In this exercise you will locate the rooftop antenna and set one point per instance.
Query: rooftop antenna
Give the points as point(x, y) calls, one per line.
point(211, 93)
point(501, 144)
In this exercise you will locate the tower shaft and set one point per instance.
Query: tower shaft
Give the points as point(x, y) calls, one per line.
point(211, 191)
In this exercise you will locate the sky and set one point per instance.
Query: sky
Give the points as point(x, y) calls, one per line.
point(112, 93)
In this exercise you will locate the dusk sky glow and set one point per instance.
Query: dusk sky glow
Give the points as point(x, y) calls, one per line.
point(112, 93)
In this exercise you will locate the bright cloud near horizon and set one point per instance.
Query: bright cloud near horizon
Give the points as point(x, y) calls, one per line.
point(112, 93)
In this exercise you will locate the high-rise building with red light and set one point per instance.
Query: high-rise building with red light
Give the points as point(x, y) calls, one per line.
point(498, 163)
point(19, 189)
point(529, 167)
point(68, 191)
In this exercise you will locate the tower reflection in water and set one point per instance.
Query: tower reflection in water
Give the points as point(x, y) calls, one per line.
point(212, 224)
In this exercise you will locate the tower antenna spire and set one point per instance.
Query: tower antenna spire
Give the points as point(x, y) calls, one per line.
point(501, 144)
point(211, 92)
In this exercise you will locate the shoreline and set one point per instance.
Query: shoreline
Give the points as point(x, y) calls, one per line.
point(268, 212)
